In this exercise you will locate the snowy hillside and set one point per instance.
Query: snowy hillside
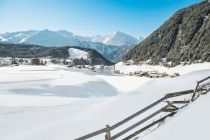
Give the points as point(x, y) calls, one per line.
point(189, 124)
point(54, 102)
point(2, 39)
point(77, 54)
point(18, 37)
point(111, 46)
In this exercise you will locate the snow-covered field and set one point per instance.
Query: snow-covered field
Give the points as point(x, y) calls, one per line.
point(57, 103)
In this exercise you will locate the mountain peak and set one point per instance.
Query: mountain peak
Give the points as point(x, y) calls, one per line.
point(117, 33)
point(120, 39)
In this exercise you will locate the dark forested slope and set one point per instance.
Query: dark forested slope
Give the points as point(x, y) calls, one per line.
point(185, 37)
point(31, 51)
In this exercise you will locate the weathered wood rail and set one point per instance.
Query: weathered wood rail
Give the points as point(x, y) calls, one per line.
point(149, 126)
point(170, 108)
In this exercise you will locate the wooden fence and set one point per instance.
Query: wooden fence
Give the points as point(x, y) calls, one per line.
point(171, 108)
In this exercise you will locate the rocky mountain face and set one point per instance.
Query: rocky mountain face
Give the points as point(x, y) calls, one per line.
point(32, 51)
point(185, 37)
point(110, 46)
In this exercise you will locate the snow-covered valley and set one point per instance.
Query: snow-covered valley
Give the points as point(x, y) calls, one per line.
point(57, 103)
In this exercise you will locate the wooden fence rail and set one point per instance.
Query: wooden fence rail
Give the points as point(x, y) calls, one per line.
point(168, 108)
point(138, 123)
point(137, 113)
point(175, 94)
point(149, 126)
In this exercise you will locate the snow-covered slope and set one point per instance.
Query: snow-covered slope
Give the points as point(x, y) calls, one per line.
point(189, 124)
point(77, 54)
point(2, 39)
point(17, 37)
point(54, 102)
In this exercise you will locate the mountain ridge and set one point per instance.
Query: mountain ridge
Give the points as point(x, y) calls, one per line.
point(182, 38)
point(13, 37)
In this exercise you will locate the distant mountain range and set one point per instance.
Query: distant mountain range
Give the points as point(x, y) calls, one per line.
point(110, 46)
point(185, 38)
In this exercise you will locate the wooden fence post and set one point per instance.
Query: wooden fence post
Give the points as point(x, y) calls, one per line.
point(194, 94)
point(108, 133)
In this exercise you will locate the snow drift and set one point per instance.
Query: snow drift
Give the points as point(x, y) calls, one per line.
point(54, 102)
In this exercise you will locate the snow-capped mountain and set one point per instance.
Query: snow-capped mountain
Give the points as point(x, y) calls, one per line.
point(118, 38)
point(110, 46)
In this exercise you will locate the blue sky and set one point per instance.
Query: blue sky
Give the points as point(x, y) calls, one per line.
point(88, 17)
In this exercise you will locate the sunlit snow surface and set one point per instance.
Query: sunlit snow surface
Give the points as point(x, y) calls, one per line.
point(58, 103)
point(77, 54)
point(2, 39)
